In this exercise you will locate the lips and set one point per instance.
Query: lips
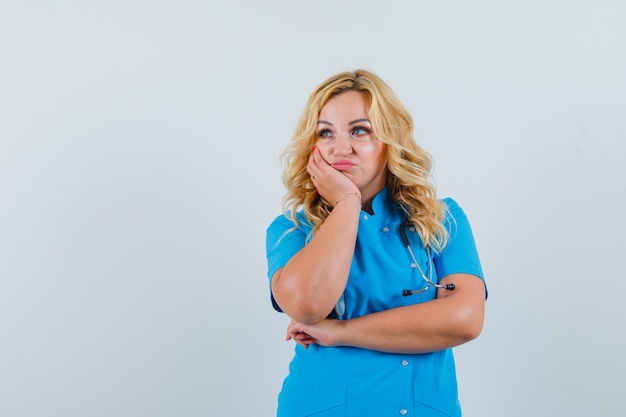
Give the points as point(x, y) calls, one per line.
point(342, 165)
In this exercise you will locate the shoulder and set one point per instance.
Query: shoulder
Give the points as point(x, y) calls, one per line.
point(283, 225)
point(286, 221)
point(451, 204)
point(280, 221)
point(455, 216)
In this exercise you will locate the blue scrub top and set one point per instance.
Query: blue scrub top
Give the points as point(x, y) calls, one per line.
point(347, 381)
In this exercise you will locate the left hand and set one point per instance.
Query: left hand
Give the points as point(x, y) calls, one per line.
point(323, 333)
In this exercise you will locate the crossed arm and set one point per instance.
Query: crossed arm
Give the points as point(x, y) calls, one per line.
point(307, 290)
point(454, 318)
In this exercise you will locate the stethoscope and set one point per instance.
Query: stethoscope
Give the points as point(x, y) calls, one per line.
point(340, 307)
point(428, 279)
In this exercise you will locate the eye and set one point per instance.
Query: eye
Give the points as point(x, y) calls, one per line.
point(360, 130)
point(324, 133)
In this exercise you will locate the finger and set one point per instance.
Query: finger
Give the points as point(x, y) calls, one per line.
point(295, 331)
point(319, 160)
point(301, 336)
point(289, 334)
point(313, 167)
point(305, 342)
point(305, 345)
point(319, 172)
point(292, 334)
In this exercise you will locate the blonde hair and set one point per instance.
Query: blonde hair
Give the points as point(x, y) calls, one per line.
point(408, 165)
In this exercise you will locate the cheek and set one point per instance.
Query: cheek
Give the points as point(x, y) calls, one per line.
point(375, 153)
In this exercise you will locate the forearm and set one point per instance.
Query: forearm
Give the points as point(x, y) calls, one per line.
point(435, 325)
point(310, 284)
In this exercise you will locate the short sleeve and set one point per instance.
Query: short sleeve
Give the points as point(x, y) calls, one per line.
point(460, 255)
point(282, 243)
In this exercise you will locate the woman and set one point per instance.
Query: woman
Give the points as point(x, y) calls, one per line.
point(357, 190)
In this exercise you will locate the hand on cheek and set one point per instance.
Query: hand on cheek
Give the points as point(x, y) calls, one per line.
point(329, 182)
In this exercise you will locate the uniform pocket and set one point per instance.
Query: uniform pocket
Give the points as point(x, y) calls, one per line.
point(330, 404)
point(429, 403)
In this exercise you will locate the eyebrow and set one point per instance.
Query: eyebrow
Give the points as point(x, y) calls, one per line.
point(353, 122)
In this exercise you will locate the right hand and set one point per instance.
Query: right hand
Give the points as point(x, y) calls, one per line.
point(329, 182)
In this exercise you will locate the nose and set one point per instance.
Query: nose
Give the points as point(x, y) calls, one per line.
point(343, 145)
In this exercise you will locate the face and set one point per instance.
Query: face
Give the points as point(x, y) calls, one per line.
point(346, 141)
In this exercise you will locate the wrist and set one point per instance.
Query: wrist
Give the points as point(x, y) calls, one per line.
point(354, 196)
point(341, 337)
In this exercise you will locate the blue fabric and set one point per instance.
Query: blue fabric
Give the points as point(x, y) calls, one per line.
point(346, 381)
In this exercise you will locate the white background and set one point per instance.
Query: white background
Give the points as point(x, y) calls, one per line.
point(139, 169)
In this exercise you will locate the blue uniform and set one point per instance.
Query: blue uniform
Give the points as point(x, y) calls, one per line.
point(347, 381)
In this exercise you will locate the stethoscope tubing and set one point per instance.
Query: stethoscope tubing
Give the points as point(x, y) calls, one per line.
point(415, 265)
point(340, 307)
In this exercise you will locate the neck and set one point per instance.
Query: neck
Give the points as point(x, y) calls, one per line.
point(368, 200)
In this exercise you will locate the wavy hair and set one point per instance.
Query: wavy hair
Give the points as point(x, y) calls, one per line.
point(408, 165)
